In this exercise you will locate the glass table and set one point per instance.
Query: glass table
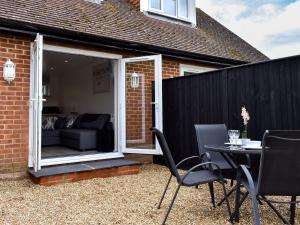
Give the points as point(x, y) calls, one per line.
point(232, 155)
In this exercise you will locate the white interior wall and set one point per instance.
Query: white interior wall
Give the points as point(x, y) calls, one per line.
point(71, 84)
point(53, 99)
point(77, 95)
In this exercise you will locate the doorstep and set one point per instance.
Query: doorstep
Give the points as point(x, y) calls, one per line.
point(81, 171)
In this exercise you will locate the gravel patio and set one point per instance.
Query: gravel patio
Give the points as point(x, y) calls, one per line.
point(117, 200)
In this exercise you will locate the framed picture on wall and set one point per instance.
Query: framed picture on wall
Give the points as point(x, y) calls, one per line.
point(101, 78)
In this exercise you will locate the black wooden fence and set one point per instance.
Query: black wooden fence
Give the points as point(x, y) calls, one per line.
point(269, 90)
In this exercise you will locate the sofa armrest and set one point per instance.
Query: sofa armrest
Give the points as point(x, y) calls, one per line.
point(106, 138)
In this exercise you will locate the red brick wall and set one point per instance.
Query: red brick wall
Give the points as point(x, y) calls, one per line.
point(170, 68)
point(14, 99)
point(135, 3)
point(14, 105)
point(134, 103)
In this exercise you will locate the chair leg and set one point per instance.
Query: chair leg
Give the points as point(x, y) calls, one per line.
point(228, 195)
point(212, 194)
point(164, 193)
point(240, 204)
point(227, 202)
point(275, 210)
point(259, 201)
point(293, 210)
point(171, 205)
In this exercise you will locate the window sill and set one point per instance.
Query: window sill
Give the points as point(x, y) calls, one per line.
point(166, 16)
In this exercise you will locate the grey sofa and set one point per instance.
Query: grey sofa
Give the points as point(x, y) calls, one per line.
point(50, 137)
point(82, 139)
point(89, 131)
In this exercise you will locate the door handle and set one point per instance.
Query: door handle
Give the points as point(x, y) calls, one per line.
point(154, 103)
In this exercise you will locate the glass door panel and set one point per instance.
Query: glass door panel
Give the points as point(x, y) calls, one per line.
point(142, 96)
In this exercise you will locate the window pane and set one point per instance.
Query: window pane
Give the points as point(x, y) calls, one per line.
point(156, 4)
point(170, 7)
point(183, 8)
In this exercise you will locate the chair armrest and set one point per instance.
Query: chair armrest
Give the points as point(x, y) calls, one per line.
point(187, 159)
point(207, 155)
point(201, 165)
point(193, 157)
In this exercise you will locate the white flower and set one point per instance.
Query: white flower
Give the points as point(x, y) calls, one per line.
point(245, 115)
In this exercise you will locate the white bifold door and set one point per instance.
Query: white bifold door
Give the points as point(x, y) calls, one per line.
point(36, 103)
point(140, 104)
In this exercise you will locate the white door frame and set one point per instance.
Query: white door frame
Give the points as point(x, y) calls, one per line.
point(100, 156)
point(122, 104)
point(36, 103)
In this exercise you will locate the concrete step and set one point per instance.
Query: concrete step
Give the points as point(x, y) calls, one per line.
point(81, 171)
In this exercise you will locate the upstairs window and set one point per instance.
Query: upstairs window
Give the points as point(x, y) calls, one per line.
point(172, 8)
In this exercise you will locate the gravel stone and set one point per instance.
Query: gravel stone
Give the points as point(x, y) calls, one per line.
point(125, 200)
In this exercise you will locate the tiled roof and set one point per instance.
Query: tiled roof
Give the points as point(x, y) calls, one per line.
point(119, 20)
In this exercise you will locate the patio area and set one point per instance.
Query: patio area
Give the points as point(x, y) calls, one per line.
point(118, 200)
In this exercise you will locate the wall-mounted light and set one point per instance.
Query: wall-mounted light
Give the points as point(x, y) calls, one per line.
point(135, 80)
point(9, 71)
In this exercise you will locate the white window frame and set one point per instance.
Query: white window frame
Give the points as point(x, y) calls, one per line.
point(162, 12)
point(194, 69)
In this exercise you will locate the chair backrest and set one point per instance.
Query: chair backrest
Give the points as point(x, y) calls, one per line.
point(279, 172)
point(166, 152)
point(211, 134)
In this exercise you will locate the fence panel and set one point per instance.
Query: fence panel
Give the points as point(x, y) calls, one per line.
point(269, 90)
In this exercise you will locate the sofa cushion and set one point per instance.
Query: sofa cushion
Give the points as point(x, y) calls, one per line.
point(76, 123)
point(51, 110)
point(48, 122)
point(70, 120)
point(51, 133)
point(60, 123)
point(94, 121)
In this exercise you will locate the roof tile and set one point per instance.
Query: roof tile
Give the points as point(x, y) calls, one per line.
point(117, 19)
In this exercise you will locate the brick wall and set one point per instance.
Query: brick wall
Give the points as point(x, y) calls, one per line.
point(135, 3)
point(134, 99)
point(170, 68)
point(14, 105)
point(134, 103)
point(14, 99)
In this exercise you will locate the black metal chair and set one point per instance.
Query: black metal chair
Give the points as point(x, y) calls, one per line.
point(279, 173)
point(192, 177)
point(215, 134)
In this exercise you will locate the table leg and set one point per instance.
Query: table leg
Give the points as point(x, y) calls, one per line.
point(237, 197)
point(293, 209)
